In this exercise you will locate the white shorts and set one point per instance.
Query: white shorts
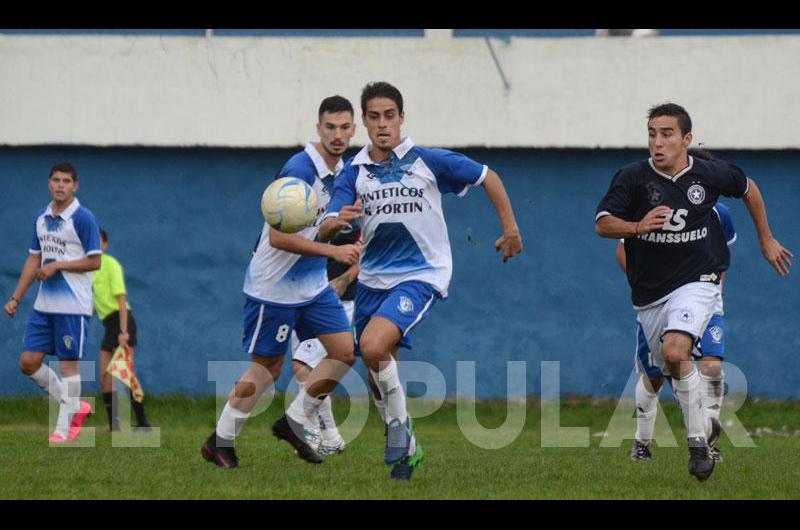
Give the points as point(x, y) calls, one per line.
point(311, 351)
point(688, 309)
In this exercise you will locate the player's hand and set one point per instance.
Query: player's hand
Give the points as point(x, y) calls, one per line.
point(348, 214)
point(122, 339)
point(11, 307)
point(655, 219)
point(47, 271)
point(510, 243)
point(347, 254)
point(778, 256)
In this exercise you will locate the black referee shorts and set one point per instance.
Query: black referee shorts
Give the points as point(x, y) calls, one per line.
point(111, 336)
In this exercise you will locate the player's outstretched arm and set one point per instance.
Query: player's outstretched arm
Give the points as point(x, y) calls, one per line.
point(511, 240)
point(26, 278)
point(778, 256)
point(347, 254)
point(616, 228)
point(89, 263)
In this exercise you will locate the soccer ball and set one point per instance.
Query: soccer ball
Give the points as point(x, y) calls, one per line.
point(289, 205)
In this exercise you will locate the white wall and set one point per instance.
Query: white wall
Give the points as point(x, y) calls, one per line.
point(263, 92)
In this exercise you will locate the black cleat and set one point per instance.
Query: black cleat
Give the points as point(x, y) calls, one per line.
point(285, 429)
point(701, 465)
point(221, 456)
point(640, 452)
point(143, 426)
point(403, 469)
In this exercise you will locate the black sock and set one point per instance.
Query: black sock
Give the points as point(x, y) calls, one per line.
point(138, 409)
point(109, 399)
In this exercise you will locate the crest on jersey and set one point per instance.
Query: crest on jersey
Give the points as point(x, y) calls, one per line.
point(696, 194)
point(654, 194)
point(405, 305)
point(53, 223)
point(67, 341)
point(685, 315)
point(716, 334)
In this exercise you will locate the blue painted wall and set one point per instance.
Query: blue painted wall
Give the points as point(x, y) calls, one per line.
point(183, 224)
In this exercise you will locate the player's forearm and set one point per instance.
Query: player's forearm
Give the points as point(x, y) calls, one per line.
point(758, 211)
point(123, 312)
point(328, 229)
point(89, 263)
point(298, 245)
point(615, 228)
point(502, 204)
point(27, 276)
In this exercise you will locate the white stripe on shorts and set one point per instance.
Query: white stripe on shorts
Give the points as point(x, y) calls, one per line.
point(419, 317)
point(257, 330)
point(80, 343)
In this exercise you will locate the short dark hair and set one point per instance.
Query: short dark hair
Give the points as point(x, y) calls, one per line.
point(380, 89)
point(103, 236)
point(335, 104)
point(64, 167)
point(674, 110)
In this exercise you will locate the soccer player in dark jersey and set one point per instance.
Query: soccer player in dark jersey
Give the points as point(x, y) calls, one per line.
point(662, 207)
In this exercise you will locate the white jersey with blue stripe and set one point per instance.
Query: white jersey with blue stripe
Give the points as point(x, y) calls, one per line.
point(279, 277)
point(405, 234)
point(69, 236)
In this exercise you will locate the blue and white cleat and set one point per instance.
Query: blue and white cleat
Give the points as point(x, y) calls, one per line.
point(398, 441)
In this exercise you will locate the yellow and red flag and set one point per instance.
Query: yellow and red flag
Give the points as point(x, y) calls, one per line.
point(121, 367)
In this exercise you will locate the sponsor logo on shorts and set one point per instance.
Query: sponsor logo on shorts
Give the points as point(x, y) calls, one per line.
point(67, 341)
point(685, 315)
point(716, 334)
point(405, 305)
point(696, 194)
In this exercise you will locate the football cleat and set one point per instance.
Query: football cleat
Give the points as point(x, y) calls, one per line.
point(640, 452)
point(312, 437)
point(285, 428)
point(701, 465)
point(77, 421)
point(221, 456)
point(398, 440)
point(405, 467)
point(334, 446)
point(716, 428)
point(716, 454)
point(56, 438)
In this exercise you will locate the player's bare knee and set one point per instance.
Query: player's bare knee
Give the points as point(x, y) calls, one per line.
point(711, 368)
point(244, 389)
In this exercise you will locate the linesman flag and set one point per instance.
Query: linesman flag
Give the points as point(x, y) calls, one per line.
point(121, 367)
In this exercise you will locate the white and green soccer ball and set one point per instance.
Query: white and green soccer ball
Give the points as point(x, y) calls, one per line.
point(289, 205)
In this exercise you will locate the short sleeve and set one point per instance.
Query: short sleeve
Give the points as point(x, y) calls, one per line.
point(728, 178)
point(618, 199)
point(299, 166)
point(117, 278)
point(454, 172)
point(344, 190)
point(88, 232)
point(35, 248)
point(726, 221)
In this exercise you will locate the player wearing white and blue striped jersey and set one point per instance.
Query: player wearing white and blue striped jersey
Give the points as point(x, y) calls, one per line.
point(64, 251)
point(285, 286)
point(406, 263)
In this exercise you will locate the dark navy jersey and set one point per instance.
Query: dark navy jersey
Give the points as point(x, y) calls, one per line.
point(336, 269)
point(691, 247)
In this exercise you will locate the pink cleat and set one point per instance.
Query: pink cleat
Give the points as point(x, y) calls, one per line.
point(77, 421)
point(56, 438)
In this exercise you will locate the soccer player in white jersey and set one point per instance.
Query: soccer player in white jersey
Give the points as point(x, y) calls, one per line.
point(64, 251)
point(406, 262)
point(662, 207)
point(286, 285)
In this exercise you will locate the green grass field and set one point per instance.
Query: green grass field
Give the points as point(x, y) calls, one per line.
point(454, 468)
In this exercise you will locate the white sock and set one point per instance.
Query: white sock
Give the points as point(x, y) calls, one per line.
point(646, 409)
point(48, 381)
point(388, 381)
point(327, 423)
point(70, 403)
point(711, 393)
point(304, 407)
point(687, 390)
point(230, 422)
